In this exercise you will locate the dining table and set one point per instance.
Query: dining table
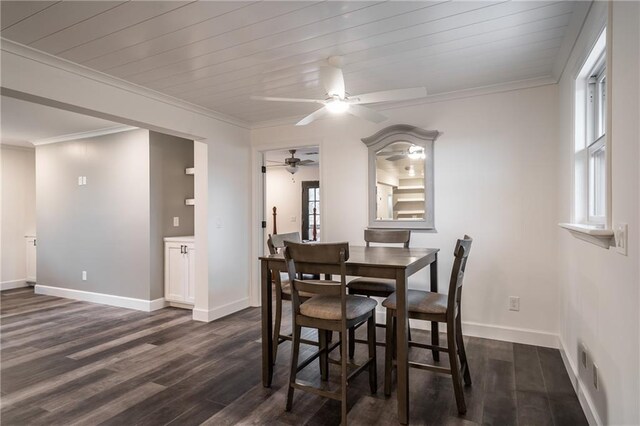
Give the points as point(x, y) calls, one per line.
point(375, 262)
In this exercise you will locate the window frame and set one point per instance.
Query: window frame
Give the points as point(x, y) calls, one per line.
point(591, 123)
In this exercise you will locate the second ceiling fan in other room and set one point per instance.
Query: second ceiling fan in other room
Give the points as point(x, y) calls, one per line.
point(339, 101)
point(292, 163)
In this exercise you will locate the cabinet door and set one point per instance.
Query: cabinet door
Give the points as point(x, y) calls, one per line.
point(31, 259)
point(174, 278)
point(190, 274)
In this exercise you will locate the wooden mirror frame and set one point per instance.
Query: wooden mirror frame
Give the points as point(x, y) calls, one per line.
point(416, 136)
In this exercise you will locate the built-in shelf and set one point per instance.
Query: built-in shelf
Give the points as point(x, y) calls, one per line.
point(410, 200)
point(189, 171)
point(410, 211)
point(410, 187)
point(190, 202)
point(598, 236)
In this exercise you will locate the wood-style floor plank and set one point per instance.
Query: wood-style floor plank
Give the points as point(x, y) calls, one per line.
point(69, 362)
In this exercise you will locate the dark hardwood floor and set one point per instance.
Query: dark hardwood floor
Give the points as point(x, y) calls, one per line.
point(68, 362)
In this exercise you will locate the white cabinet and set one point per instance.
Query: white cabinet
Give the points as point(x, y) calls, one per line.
point(30, 241)
point(179, 269)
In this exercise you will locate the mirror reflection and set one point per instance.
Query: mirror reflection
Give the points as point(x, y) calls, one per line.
point(400, 181)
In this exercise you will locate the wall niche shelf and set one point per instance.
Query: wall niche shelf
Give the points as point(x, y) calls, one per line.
point(190, 202)
point(189, 171)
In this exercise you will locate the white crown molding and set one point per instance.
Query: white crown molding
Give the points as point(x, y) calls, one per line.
point(5, 145)
point(83, 135)
point(440, 97)
point(27, 52)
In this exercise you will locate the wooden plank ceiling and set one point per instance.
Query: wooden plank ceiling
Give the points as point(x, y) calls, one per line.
point(218, 54)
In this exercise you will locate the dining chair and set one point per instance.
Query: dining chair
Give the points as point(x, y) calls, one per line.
point(436, 307)
point(275, 243)
point(328, 309)
point(376, 287)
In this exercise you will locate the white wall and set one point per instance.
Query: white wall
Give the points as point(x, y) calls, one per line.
point(494, 179)
point(286, 194)
point(600, 296)
point(18, 216)
point(222, 255)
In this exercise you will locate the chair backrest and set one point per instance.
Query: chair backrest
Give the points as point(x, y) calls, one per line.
point(276, 242)
point(330, 254)
point(461, 255)
point(387, 236)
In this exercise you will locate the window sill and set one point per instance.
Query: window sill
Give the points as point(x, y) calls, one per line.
point(598, 236)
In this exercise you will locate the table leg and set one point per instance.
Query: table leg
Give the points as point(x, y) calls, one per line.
point(435, 336)
point(267, 327)
point(402, 358)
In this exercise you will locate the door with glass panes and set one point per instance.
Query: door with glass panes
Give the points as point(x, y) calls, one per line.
point(311, 210)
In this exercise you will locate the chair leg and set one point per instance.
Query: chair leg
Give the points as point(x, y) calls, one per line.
point(352, 342)
point(435, 340)
point(462, 353)
point(409, 330)
point(343, 394)
point(295, 351)
point(276, 328)
point(388, 352)
point(455, 368)
point(394, 336)
point(324, 357)
point(373, 367)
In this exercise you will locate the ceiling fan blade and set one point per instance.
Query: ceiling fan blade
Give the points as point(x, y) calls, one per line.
point(366, 113)
point(270, 98)
point(397, 157)
point(274, 161)
point(333, 81)
point(322, 112)
point(390, 95)
point(305, 162)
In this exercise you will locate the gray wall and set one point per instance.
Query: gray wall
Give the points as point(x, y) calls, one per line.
point(169, 186)
point(102, 227)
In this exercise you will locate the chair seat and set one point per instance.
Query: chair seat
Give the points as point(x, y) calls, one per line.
point(377, 285)
point(329, 307)
point(286, 287)
point(424, 302)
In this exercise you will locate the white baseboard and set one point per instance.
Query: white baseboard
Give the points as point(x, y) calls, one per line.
point(490, 331)
point(220, 311)
point(8, 285)
point(104, 299)
point(585, 400)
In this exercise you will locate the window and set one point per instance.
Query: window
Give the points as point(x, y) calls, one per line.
point(590, 131)
point(311, 210)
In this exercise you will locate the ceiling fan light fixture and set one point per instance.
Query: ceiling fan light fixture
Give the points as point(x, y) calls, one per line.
point(337, 106)
point(293, 169)
point(416, 153)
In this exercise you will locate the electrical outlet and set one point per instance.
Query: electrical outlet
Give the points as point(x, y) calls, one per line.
point(621, 237)
point(84, 275)
point(176, 221)
point(595, 376)
point(514, 303)
point(583, 356)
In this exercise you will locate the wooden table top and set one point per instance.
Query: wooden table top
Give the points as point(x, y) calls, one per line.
point(392, 257)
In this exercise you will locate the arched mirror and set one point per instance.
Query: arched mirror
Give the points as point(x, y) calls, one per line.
point(401, 177)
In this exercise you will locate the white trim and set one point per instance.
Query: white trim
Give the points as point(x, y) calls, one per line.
point(220, 311)
point(83, 135)
point(81, 70)
point(101, 298)
point(578, 385)
point(491, 331)
point(5, 145)
point(440, 97)
point(8, 285)
point(599, 236)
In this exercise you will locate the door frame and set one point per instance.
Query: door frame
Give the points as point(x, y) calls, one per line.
point(259, 211)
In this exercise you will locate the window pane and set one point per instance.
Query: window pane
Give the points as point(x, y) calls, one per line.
point(597, 182)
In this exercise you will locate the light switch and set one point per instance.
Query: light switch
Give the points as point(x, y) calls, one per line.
point(84, 180)
point(218, 222)
point(79, 180)
point(176, 221)
point(621, 237)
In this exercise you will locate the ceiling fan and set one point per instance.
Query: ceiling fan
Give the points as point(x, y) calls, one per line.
point(339, 101)
point(292, 163)
point(413, 152)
